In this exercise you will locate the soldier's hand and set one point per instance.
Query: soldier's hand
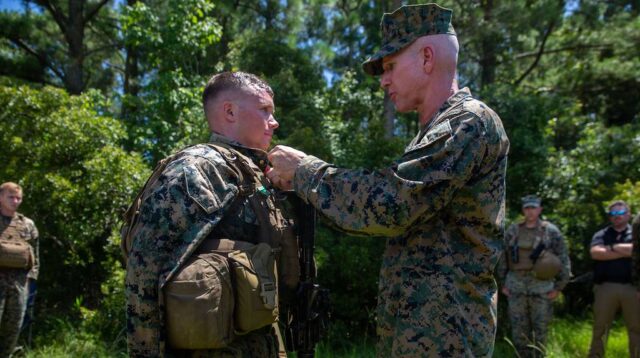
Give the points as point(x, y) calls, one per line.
point(505, 291)
point(284, 160)
point(552, 295)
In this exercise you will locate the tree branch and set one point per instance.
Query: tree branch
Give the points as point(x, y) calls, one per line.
point(533, 65)
point(93, 12)
point(42, 58)
point(57, 14)
point(563, 49)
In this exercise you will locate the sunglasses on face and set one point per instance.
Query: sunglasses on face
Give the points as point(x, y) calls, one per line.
point(617, 212)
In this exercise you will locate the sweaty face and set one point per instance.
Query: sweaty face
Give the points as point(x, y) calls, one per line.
point(402, 78)
point(9, 202)
point(255, 121)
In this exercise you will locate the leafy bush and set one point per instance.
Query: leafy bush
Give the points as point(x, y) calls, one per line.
point(77, 182)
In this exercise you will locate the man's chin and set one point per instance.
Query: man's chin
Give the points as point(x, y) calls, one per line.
point(402, 109)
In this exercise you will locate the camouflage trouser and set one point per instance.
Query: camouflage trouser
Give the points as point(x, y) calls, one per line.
point(530, 316)
point(13, 296)
point(263, 343)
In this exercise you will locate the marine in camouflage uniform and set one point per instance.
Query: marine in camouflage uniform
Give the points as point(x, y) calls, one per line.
point(14, 281)
point(194, 200)
point(441, 204)
point(530, 297)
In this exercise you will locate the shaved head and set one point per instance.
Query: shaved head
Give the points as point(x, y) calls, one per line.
point(446, 49)
point(230, 86)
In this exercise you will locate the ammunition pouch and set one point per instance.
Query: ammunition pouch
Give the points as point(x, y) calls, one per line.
point(219, 295)
point(199, 304)
point(254, 275)
point(16, 254)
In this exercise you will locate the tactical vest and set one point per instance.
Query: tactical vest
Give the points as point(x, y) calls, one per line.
point(272, 229)
point(233, 269)
point(15, 250)
point(521, 261)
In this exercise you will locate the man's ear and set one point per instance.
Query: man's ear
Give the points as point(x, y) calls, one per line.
point(229, 108)
point(428, 58)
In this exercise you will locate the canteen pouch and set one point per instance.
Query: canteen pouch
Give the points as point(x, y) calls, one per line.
point(16, 254)
point(254, 277)
point(199, 304)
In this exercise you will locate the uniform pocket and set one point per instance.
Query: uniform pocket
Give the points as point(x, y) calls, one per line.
point(199, 189)
point(199, 304)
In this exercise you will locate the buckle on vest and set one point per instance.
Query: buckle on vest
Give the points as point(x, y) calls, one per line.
point(268, 294)
point(245, 189)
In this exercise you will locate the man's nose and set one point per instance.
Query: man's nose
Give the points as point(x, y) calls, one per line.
point(384, 81)
point(273, 123)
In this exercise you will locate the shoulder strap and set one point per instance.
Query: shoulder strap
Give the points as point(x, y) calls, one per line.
point(130, 217)
point(240, 162)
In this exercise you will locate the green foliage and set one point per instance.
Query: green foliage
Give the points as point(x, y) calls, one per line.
point(171, 38)
point(349, 268)
point(563, 76)
point(77, 182)
point(35, 47)
point(356, 128)
point(582, 181)
point(60, 338)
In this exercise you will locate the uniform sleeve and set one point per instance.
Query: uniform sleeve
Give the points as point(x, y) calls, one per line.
point(559, 248)
point(503, 264)
point(635, 254)
point(35, 244)
point(386, 202)
point(185, 206)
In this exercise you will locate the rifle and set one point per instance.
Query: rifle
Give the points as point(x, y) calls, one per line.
point(307, 318)
point(537, 252)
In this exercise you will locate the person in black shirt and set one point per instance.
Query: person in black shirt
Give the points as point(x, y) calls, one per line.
point(611, 251)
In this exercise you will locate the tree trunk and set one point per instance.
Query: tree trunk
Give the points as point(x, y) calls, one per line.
point(131, 85)
point(488, 61)
point(74, 34)
point(389, 109)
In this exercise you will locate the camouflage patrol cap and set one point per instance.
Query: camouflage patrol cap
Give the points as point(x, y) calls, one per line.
point(530, 201)
point(403, 26)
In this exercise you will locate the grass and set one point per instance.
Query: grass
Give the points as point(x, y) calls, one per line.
point(568, 338)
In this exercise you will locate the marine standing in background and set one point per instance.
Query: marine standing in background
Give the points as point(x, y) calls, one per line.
point(211, 198)
point(611, 251)
point(441, 204)
point(535, 268)
point(19, 263)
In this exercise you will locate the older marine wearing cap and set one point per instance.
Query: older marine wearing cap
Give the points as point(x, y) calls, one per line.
point(535, 268)
point(440, 205)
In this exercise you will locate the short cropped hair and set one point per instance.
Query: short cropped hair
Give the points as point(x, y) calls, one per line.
point(10, 186)
point(618, 203)
point(233, 81)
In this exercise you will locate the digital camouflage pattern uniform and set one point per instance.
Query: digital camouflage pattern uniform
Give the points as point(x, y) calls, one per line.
point(442, 206)
point(530, 311)
point(14, 282)
point(188, 204)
